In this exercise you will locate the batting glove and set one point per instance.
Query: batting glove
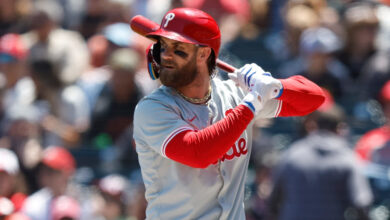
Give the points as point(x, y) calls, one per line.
point(252, 77)
point(252, 101)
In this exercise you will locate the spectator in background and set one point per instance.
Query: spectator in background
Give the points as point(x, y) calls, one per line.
point(368, 66)
point(56, 170)
point(318, 62)
point(6, 207)
point(19, 89)
point(112, 37)
point(361, 26)
point(22, 134)
point(383, 13)
point(100, 13)
point(260, 188)
point(375, 139)
point(64, 109)
point(327, 15)
point(112, 115)
point(2, 106)
point(118, 97)
point(11, 182)
point(138, 203)
point(65, 208)
point(14, 15)
point(297, 18)
point(319, 177)
point(93, 18)
point(373, 150)
point(19, 126)
point(121, 199)
point(252, 44)
point(13, 55)
point(47, 40)
point(148, 8)
point(101, 45)
point(17, 216)
point(114, 191)
point(299, 15)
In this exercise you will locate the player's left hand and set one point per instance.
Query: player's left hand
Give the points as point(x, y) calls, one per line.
point(252, 77)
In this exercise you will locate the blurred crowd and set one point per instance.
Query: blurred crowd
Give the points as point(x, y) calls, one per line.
point(72, 72)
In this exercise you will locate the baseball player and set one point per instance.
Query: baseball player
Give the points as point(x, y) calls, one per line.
point(193, 134)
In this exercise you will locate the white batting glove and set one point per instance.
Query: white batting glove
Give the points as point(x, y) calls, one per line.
point(244, 75)
point(252, 77)
point(253, 102)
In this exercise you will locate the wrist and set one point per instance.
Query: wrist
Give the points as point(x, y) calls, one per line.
point(279, 90)
point(252, 101)
point(280, 93)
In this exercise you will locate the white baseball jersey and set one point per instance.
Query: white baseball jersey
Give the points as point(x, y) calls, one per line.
point(175, 190)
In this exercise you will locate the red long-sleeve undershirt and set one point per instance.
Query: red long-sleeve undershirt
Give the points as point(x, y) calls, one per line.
point(300, 96)
point(201, 148)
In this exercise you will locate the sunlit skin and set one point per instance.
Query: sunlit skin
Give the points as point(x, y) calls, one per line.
point(55, 180)
point(184, 67)
point(7, 182)
point(172, 74)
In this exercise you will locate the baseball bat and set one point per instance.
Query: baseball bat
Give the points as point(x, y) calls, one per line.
point(142, 25)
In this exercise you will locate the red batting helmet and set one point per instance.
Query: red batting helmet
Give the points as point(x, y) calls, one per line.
point(190, 25)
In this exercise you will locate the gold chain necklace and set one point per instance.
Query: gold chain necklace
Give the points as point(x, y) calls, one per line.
point(196, 100)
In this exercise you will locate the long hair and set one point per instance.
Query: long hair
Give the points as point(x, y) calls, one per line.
point(212, 64)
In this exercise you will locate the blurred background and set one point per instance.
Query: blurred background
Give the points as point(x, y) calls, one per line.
point(72, 72)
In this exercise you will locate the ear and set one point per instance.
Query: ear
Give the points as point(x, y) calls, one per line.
point(204, 53)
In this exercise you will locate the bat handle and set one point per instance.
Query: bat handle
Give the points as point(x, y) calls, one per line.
point(225, 66)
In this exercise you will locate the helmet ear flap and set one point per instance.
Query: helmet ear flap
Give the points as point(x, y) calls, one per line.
point(156, 52)
point(153, 59)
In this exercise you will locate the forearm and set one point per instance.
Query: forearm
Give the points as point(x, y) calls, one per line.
point(201, 148)
point(300, 96)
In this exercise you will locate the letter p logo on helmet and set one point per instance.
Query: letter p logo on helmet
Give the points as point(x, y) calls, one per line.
point(168, 18)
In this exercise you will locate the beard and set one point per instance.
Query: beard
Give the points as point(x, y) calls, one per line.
point(177, 78)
